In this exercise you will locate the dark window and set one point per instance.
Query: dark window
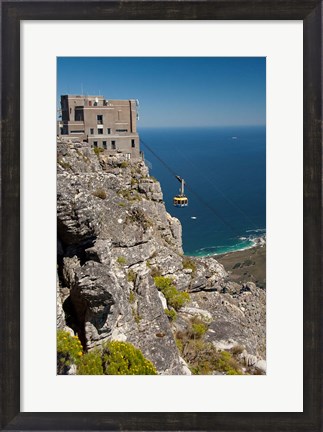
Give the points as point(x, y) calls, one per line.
point(104, 144)
point(95, 143)
point(100, 131)
point(133, 144)
point(100, 119)
point(91, 131)
point(113, 145)
point(108, 131)
point(79, 113)
point(121, 130)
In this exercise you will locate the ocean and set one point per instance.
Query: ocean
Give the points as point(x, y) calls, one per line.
point(225, 172)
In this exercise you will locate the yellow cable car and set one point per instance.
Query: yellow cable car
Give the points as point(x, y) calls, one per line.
point(180, 200)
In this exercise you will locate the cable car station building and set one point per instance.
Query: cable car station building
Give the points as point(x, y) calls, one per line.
point(108, 124)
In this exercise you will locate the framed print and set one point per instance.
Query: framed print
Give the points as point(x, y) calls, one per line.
point(277, 48)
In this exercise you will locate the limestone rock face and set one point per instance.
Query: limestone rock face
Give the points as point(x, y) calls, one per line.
point(114, 236)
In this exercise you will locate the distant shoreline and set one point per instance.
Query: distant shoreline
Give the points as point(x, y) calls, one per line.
point(252, 243)
point(246, 265)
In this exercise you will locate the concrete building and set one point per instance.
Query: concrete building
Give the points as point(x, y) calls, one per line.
point(108, 124)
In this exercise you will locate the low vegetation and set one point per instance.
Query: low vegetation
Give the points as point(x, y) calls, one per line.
point(98, 150)
point(130, 195)
point(100, 193)
point(189, 263)
point(90, 364)
point(132, 297)
point(116, 358)
point(131, 276)
point(121, 260)
point(122, 358)
point(171, 313)
point(139, 217)
point(69, 351)
point(201, 356)
point(64, 164)
point(124, 164)
point(112, 358)
point(176, 299)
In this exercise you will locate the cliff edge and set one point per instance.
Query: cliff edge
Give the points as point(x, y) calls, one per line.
point(122, 274)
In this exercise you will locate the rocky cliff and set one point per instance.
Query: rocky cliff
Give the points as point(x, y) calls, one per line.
point(115, 241)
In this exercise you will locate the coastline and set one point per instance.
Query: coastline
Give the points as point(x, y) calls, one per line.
point(250, 243)
point(247, 264)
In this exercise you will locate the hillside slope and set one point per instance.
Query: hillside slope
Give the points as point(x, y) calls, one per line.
point(117, 247)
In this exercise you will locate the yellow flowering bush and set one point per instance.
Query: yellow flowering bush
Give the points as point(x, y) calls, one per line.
point(90, 364)
point(122, 358)
point(69, 351)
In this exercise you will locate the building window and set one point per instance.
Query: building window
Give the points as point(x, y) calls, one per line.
point(113, 145)
point(79, 113)
point(95, 143)
point(104, 144)
point(91, 131)
point(100, 131)
point(77, 131)
point(121, 130)
point(133, 144)
point(108, 131)
point(99, 119)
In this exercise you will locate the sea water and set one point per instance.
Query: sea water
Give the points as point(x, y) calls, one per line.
point(225, 172)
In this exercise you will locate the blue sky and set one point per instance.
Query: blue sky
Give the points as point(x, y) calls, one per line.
point(174, 91)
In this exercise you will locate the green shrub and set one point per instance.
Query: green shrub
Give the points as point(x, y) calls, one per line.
point(69, 351)
point(100, 193)
point(124, 164)
point(225, 363)
point(131, 276)
point(189, 263)
point(122, 204)
point(63, 164)
point(136, 315)
point(98, 150)
point(132, 297)
point(179, 344)
point(139, 217)
point(122, 358)
point(121, 260)
point(129, 195)
point(90, 364)
point(174, 298)
point(202, 357)
point(172, 315)
point(198, 330)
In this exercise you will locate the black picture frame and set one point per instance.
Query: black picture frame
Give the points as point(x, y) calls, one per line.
point(12, 12)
